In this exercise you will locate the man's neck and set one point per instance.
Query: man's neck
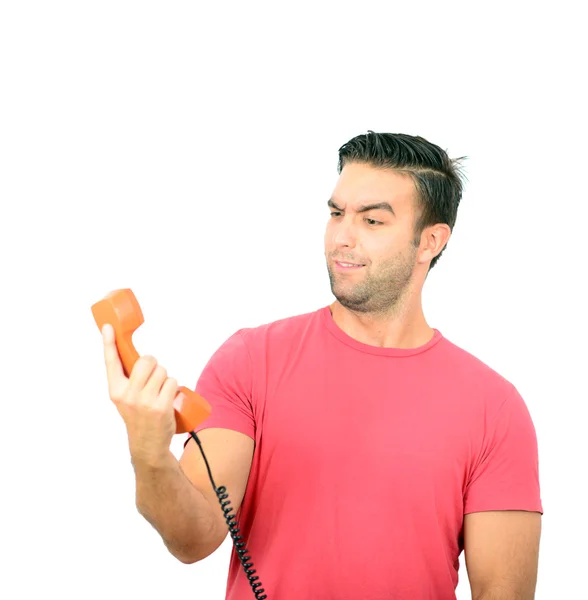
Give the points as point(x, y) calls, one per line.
point(408, 329)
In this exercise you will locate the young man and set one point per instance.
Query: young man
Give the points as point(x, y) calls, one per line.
point(363, 450)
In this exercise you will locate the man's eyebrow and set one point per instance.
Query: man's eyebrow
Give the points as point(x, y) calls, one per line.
point(365, 207)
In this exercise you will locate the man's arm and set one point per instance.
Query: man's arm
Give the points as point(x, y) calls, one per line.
point(502, 554)
point(177, 497)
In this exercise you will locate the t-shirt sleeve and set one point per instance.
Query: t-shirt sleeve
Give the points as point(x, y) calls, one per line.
point(226, 383)
point(506, 476)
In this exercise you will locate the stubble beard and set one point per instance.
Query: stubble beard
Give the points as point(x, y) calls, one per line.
point(379, 293)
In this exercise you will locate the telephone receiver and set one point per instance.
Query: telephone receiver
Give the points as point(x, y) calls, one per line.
point(121, 310)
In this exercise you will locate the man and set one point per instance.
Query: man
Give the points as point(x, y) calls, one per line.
point(363, 450)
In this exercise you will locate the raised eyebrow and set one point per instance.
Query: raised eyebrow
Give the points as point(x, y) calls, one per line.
point(365, 207)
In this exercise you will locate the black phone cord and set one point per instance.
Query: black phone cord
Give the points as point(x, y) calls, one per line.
point(221, 494)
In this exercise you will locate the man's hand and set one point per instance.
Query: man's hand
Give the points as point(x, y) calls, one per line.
point(145, 402)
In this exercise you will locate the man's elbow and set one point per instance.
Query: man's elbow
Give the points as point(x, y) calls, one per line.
point(192, 555)
point(186, 557)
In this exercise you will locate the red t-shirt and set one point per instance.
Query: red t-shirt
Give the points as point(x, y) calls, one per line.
point(366, 459)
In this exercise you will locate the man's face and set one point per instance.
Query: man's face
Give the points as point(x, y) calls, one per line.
point(380, 239)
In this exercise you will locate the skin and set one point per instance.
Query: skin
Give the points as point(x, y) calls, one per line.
point(381, 305)
point(175, 497)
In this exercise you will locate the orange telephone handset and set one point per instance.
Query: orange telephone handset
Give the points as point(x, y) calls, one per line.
point(121, 310)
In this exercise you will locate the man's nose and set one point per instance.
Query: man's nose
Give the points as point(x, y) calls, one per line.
point(345, 235)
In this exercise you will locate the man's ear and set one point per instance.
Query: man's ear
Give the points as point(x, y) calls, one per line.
point(433, 240)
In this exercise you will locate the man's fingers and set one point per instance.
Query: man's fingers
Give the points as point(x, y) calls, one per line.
point(141, 373)
point(156, 379)
point(169, 391)
point(146, 381)
point(114, 368)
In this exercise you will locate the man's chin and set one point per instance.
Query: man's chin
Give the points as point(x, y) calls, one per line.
point(354, 304)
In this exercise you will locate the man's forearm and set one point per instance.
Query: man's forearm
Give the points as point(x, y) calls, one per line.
point(180, 513)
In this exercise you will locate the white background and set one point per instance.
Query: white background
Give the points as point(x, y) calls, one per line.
point(187, 150)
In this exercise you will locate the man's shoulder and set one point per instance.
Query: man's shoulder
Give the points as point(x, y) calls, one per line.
point(468, 364)
point(281, 327)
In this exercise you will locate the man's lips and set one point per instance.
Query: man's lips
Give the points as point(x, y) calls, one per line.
point(343, 266)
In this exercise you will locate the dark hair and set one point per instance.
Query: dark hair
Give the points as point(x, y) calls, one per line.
point(437, 178)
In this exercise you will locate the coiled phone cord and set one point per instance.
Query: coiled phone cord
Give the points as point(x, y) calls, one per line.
point(221, 494)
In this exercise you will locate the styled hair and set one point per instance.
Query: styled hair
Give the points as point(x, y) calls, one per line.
point(437, 178)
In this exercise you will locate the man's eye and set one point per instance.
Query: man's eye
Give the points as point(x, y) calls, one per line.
point(371, 222)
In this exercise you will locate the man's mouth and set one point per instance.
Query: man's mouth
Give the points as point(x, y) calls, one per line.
point(348, 266)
